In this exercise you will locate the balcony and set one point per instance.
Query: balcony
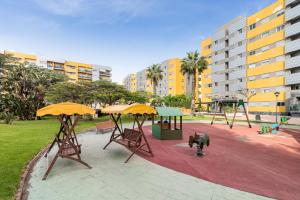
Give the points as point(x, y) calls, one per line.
point(292, 29)
point(292, 13)
point(292, 79)
point(292, 62)
point(292, 46)
point(58, 67)
point(295, 93)
point(288, 2)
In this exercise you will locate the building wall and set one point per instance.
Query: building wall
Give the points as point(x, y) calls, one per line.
point(143, 84)
point(228, 70)
point(74, 70)
point(292, 50)
point(130, 82)
point(172, 83)
point(206, 77)
point(265, 58)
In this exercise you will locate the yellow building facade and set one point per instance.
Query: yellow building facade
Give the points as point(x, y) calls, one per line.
point(206, 79)
point(266, 58)
point(74, 70)
point(176, 81)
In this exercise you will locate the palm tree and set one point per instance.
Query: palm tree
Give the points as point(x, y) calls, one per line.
point(154, 74)
point(192, 65)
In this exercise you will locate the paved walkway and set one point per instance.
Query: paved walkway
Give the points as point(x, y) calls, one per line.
point(111, 179)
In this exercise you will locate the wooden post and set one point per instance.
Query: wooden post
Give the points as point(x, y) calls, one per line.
point(170, 123)
point(161, 121)
point(235, 110)
point(180, 122)
point(213, 119)
point(175, 125)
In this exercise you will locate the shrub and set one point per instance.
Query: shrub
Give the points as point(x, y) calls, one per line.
point(7, 117)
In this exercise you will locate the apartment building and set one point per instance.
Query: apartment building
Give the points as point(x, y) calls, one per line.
point(266, 59)
point(74, 70)
point(130, 82)
point(172, 83)
point(143, 84)
point(292, 51)
point(256, 56)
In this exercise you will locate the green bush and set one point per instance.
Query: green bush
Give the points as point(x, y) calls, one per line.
point(7, 117)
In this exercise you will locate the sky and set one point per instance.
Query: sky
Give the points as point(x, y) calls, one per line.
point(128, 35)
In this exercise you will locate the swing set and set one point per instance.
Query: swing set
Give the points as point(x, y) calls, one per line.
point(66, 140)
point(133, 139)
point(236, 104)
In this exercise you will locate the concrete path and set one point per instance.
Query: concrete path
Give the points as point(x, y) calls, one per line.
point(111, 179)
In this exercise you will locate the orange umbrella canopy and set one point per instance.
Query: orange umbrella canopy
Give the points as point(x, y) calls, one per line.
point(129, 109)
point(66, 108)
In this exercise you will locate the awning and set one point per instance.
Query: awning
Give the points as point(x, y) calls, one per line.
point(129, 109)
point(168, 111)
point(66, 108)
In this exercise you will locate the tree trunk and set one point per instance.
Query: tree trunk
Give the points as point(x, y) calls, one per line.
point(194, 92)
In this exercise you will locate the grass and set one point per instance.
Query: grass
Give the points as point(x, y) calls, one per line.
point(22, 140)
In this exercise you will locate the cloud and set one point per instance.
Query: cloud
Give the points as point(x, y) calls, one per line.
point(98, 10)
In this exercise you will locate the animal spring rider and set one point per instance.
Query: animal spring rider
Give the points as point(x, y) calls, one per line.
point(200, 140)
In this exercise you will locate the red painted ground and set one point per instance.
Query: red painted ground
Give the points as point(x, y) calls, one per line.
point(240, 158)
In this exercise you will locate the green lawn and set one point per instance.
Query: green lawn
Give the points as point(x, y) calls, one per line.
point(20, 142)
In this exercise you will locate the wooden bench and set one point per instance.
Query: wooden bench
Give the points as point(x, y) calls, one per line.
point(130, 138)
point(104, 127)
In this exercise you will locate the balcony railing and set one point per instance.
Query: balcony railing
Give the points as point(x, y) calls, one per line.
point(293, 45)
point(292, 79)
point(292, 29)
point(292, 62)
point(292, 13)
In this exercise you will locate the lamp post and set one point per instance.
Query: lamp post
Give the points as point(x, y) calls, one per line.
point(276, 95)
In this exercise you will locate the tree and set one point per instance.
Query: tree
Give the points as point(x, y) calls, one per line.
point(191, 66)
point(23, 89)
point(7, 61)
point(154, 74)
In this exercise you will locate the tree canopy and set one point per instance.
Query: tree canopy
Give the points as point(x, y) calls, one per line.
point(154, 74)
point(191, 65)
point(23, 88)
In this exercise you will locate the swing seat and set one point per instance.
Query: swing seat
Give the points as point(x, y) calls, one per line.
point(68, 150)
point(130, 138)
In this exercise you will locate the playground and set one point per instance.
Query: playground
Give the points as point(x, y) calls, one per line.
point(145, 159)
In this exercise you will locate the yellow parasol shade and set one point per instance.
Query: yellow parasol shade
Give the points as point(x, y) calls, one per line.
point(129, 109)
point(66, 108)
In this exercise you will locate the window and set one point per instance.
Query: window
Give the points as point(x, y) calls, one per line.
point(266, 90)
point(226, 76)
point(251, 78)
point(265, 62)
point(209, 85)
point(280, 13)
point(226, 65)
point(252, 26)
point(240, 67)
point(240, 43)
point(240, 31)
point(240, 55)
point(216, 42)
point(216, 53)
point(252, 53)
point(240, 80)
point(227, 88)
point(265, 34)
point(279, 28)
point(216, 83)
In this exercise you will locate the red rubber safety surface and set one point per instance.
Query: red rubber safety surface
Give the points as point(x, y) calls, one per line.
point(239, 158)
